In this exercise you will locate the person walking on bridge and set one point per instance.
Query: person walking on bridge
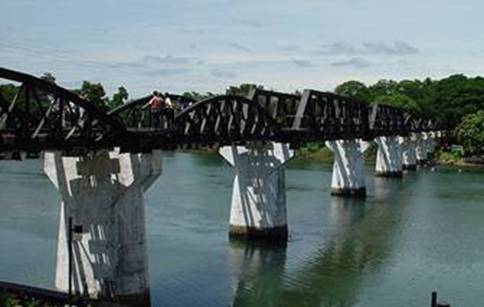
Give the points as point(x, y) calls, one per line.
point(156, 105)
point(170, 109)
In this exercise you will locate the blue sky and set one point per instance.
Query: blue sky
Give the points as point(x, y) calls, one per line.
point(207, 45)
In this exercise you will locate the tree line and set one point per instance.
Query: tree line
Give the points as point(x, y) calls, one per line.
point(456, 101)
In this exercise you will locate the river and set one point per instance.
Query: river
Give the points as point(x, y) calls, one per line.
point(408, 237)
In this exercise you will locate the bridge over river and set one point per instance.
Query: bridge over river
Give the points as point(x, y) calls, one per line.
point(102, 162)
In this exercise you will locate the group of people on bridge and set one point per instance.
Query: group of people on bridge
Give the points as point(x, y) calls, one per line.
point(163, 109)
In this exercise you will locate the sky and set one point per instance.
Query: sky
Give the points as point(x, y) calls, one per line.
point(200, 45)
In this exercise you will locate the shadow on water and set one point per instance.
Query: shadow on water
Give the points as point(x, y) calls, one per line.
point(256, 273)
point(333, 274)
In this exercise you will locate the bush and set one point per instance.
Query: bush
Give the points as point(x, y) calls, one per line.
point(470, 133)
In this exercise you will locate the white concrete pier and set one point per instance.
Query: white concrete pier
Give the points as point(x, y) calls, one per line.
point(431, 142)
point(389, 156)
point(348, 177)
point(258, 207)
point(103, 193)
point(409, 154)
point(421, 148)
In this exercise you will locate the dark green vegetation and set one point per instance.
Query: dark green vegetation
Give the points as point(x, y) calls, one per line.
point(456, 101)
point(470, 132)
point(13, 301)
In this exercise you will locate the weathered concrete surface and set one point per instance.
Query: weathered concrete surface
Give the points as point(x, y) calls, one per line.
point(258, 207)
point(348, 178)
point(103, 192)
point(421, 148)
point(389, 157)
point(431, 142)
point(409, 154)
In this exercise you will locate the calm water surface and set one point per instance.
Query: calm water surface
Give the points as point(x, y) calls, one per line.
point(408, 237)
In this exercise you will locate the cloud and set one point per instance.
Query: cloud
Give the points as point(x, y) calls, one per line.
point(302, 63)
point(395, 48)
point(170, 60)
point(290, 48)
point(154, 65)
point(167, 71)
point(239, 47)
point(338, 48)
point(225, 74)
point(150, 61)
point(251, 23)
point(398, 48)
point(353, 62)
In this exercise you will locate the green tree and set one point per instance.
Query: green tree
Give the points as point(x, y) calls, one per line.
point(384, 87)
point(7, 93)
point(119, 98)
point(94, 93)
point(400, 101)
point(454, 97)
point(242, 90)
point(354, 89)
point(47, 76)
point(470, 133)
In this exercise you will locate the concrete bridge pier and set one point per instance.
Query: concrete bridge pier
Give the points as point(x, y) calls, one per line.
point(258, 207)
point(409, 154)
point(389, 157)
point(348, 177)
point(103, 193)
point(421, 148)
point(431, 142)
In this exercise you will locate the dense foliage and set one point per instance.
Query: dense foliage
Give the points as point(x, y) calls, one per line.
point(470, 133)
point(448, 99)
point(455, 101)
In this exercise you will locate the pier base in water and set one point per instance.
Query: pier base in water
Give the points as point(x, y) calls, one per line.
point(421, 148)
point(103, 194)
point(409, 153)
point(348, 178)
point(258, 206)
point(389, 157)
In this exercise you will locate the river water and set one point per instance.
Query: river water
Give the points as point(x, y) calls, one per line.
point(409, 236)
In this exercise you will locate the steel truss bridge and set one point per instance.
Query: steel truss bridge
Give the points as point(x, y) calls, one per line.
point(45, 116)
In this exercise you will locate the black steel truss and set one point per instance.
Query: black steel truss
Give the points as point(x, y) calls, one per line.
point(224, 120)
point(44, 116)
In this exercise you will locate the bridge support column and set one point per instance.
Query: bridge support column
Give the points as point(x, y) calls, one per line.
point(348, 177)
point(421, 149)
point(389, 156)
point(431, 142)
point(103, 193)
point(258, 209)
point(409, 154)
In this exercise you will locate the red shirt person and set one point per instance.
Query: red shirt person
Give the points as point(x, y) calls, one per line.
point(156, 104)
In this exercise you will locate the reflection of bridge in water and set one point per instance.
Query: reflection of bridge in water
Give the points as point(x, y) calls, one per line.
point(331, 275)
point(102, 163)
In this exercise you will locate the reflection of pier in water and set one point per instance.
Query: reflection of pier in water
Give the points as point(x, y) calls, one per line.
point(332, 275)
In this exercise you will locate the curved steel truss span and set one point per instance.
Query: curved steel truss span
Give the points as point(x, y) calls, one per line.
point(44, 116)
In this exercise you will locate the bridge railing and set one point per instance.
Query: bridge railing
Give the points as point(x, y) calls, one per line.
point(387, 120)
point(223, 120)
point(137, 114)
point(42, 115)
point(282, 107)
point(325, 116)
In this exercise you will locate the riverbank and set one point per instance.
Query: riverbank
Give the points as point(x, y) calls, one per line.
point(320, 153)
point(451, 159)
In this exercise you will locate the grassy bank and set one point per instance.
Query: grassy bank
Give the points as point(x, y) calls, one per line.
point(311, 152)
point(321, 153)
point(454, 158)
point(318, 152)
